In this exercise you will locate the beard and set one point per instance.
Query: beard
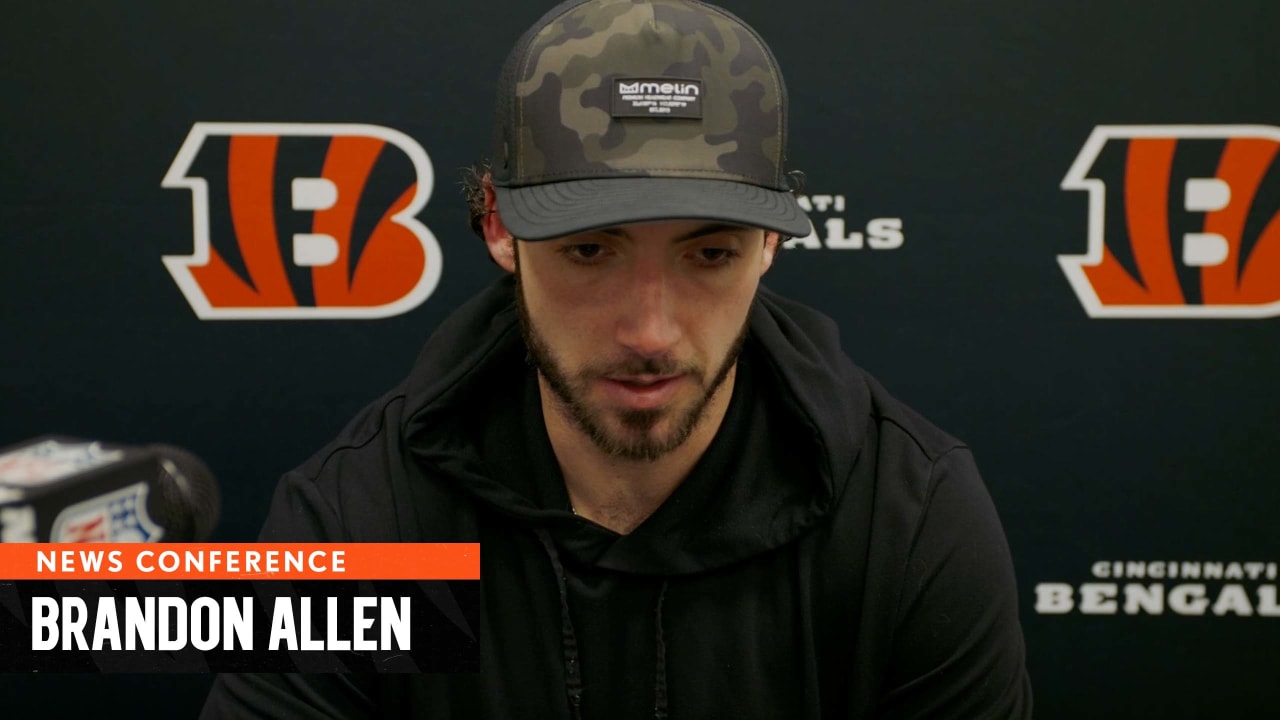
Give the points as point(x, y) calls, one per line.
point(638, 439)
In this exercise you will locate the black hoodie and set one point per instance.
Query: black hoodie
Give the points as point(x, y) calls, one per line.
point(831, 555)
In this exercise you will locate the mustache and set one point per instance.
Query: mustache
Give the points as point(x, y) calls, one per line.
point(638, 365)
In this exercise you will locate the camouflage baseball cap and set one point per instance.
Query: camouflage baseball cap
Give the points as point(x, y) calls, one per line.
point(619, 111)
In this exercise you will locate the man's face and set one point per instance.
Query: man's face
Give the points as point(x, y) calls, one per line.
point(635, 328)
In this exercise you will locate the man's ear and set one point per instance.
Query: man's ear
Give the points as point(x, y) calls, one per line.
point(496, 236)
point(772, 243)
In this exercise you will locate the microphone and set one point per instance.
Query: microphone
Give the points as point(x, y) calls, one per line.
point(59, 489)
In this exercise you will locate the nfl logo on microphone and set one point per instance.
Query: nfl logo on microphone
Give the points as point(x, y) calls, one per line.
point(120, 516)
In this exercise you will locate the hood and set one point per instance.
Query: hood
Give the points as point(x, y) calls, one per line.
point(791, 452)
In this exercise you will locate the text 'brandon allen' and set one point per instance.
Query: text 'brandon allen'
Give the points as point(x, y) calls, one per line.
point(170, 623)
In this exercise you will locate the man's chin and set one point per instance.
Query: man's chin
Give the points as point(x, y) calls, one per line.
point(643, 434)
point(628, 425)
point(640, 448)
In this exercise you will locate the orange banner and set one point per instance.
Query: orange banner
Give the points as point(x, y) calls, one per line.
point(240, 561)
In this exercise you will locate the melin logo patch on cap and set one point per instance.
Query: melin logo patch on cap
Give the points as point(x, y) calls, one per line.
point(657, 98)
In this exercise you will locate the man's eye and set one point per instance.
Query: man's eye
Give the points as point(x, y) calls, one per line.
point(583, 252)
point(714, 256)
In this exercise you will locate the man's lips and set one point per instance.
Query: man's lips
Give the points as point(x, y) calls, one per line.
point(642, 392)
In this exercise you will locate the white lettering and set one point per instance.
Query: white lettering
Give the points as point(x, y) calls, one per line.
point(395, 620)
point(837, 240)
point(1233, 599)
point(282, 625)
point(1149, 599)
point(44, 617)
point(1053, 598)
point(656, 88)
point(885, 234)
point(881, 233)
point(208, 620)
point(106, 626)
point(237, 624)
point(201, 640)
point(1188, 599)
point(171, 637)
point(75, 615)
point(91, 560)
point(1098, 598)
point(362, 623)
point(331, 627)
point(304, 624)
point(810, 242)
point(1267, 606)
point(140, 623)
point(168, 561)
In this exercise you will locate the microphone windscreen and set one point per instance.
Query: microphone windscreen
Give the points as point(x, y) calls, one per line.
point(187, 500)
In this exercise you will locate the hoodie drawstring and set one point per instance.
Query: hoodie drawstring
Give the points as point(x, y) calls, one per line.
point(572, 673)
point(569, 641)
point(660, 679)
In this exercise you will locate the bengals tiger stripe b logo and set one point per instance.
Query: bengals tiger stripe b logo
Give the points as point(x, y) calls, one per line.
point(297, 221)
point(1184, 222)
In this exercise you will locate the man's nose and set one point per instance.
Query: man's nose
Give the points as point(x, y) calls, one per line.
point(648, 324)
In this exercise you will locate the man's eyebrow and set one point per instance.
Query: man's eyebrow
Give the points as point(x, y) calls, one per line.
point(694, 234)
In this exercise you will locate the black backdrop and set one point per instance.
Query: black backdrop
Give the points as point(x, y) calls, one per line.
point(1121, 439)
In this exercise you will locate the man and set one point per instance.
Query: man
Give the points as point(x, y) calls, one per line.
point(690, 503)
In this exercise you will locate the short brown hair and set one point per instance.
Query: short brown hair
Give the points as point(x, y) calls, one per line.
point(474, 179)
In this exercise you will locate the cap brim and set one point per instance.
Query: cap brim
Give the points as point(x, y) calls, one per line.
point(542, 212)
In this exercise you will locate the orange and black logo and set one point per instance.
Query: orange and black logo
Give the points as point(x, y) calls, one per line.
point(299, 221)
point(1184, 222)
